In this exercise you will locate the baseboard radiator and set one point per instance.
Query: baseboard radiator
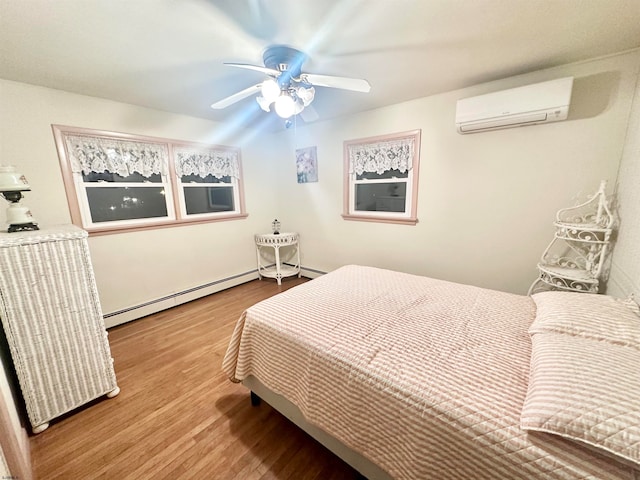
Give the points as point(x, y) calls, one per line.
point(156, 305)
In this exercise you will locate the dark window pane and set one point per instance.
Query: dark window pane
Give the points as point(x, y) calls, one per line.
point(381, 197)
point(208, 199)
point(114, 177)
point(207, 179)
point(384, 175)
point(110, 204)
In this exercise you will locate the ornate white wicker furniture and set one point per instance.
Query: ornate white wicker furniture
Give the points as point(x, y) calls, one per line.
point(574, 259)
point(274, 264)
point(53, 322)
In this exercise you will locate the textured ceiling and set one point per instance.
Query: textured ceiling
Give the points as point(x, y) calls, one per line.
point(169, 54)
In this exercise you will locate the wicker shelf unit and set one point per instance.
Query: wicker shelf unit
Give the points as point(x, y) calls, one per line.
point(574, 259)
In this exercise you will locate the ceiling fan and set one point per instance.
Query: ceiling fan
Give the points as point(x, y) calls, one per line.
point(288, 89)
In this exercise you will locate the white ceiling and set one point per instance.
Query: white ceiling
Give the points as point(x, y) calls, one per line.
point(169, 54)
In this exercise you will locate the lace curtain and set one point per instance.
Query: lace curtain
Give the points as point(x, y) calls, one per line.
point(124, 157)
point(203, 162)
point(382, 156)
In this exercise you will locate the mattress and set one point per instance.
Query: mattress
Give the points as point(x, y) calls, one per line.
point(425, 378)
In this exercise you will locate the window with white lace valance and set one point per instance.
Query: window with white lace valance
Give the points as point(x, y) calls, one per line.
point(218, 163)
point(208, 180)
point(124, 157)
point(382, 178)
point(121, 182)
point(380, 157)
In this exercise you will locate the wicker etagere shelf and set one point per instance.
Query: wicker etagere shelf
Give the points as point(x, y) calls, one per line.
point(574, 259)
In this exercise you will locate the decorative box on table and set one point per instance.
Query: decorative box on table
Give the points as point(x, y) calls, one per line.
point(53, 321)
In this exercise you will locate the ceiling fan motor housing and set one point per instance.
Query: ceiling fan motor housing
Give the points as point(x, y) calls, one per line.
point(286, 60)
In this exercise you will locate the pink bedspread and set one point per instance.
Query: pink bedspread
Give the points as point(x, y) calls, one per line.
point(425, 378)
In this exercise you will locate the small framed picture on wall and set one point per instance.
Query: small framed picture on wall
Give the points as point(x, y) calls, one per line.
point(307, 164)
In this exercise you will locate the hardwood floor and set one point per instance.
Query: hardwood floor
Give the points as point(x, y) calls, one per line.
point(178, 416)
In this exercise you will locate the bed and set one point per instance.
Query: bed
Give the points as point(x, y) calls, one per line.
point(409, 377)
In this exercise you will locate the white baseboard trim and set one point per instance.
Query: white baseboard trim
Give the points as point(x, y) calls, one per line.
point(157, 305)
point(311, 273)
point(153, 306)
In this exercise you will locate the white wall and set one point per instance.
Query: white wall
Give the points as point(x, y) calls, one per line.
point(625, 264)
point(134, 268)
point(486, 201)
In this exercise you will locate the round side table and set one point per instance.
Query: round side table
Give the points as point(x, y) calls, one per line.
point(277, 266)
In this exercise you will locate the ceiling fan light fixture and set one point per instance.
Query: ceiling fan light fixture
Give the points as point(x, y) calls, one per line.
point(306, 95)
point(285, 105)
point(298, 106)
point(264, 103)
point(270, 90)
point(288, 91)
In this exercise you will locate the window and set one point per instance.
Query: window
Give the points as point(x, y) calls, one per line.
point(208, 180)
point(117, 182)
point(381, 178)
point(109, 197)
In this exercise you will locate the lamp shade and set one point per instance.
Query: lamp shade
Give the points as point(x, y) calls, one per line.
point(306, 94)
point(264, 103)
point(11, 180)
point(270, 90)
point(298, 106)
point(285, 106)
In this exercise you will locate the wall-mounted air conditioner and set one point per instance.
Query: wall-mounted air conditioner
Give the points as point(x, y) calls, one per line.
point(529, 105)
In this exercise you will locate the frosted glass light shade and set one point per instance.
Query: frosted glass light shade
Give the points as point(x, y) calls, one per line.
point(270, 90)
point(264, 103)
point(285, 106)
point(306, 95)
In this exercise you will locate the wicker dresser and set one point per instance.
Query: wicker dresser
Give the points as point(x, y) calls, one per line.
point(53, 322)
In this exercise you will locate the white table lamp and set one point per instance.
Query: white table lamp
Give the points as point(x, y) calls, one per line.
point(12, 184)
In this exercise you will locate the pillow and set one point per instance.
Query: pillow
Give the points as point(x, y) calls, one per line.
point(600, 317)
point(586, 390)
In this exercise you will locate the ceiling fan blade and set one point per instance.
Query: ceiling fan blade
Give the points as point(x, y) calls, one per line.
point(269, 71)
point(236, 97)
point(355, 84)
point(309, 114)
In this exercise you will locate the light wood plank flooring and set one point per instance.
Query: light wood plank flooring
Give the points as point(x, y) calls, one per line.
point(178, 416)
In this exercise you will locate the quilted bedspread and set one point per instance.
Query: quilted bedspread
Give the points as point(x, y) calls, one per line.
point(425, 378)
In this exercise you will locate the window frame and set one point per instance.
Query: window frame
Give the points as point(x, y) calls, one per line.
point(78, 201)
point(409, 216)
point(181, 206)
